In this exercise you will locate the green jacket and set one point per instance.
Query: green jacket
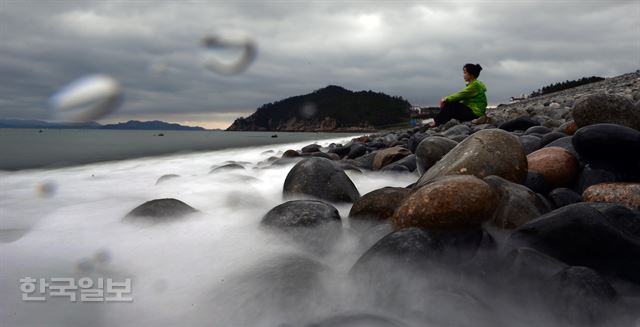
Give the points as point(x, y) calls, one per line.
point(472, 96)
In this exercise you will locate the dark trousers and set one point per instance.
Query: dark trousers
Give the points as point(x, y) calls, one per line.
point(454, 110)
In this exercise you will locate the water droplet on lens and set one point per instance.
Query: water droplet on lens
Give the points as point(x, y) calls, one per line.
point(102, 256)
point(85, 265)
point(47, 189)
point(217, 45)
point(86, 99)
point(308, 110)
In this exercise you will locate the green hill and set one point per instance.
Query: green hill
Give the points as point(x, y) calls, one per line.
point(327, 109)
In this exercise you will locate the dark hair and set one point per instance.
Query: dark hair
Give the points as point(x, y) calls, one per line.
point(473, 69)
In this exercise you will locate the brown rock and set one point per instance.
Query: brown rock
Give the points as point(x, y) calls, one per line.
point(449, 202)
point(378, 205)
point(290, 154)
point(558, 166)
point(389, 155)
point(626, 194)
point(486, 152)
point(569, 127)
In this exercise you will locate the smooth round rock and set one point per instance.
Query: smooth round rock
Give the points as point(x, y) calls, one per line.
point(529, 143)
point(300, 213)
point(290, 154)
point(378, 205)
point(569, 127)
point(160, 210)
point(226, 167)
point(432, 149)
point(366, 161)
point(310, 148)
point(613, 144)
point(597, 173)
point(519, 124)
point(517, 204)
point(357, 150)
point(536, 182)
point(166, 177)
point(550, 137)
point(558, 166)
point(449, 202)
point(562, 196)
point(538, 130)
point(580, 235)
point(565, 143)
point(606, 108)
point(487, 152)
point(320, 178)
point(389, 155)
point(626, 194)
point(415, 140)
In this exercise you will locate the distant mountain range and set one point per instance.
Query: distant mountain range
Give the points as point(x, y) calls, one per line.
point(130, 125)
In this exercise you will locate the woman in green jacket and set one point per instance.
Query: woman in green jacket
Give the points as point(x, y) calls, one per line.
point(468, 104)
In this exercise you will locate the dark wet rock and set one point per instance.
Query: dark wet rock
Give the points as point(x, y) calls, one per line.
point(580, 235)
point(290, 154)
point(538, 130)
point(377, 145)
point(449, 202)
point(529, 264)
point(340, 150)
point(432, 149)
point(395, 168)
point(310, 148)
point(166, 177)
point(415, 140)
point(550, 137)
point(366, 161)
point(581, 295)
point(226, 167)
point(286, 161)
point(389, 155)
point(535, 181)
point(458, 138)
point(333, 156)
point(593, 174)
point(517, 204)
point(160, 210)
point(457, 130)
point(409, 162)
point(558, 166)
point(487, 152)
point(606, 108)
point(300, 213)
point(519, 124)
point(357, 150)
point(480, 127)
point(451, 123)
point(416, 247)
point(613, 144)
point(357, 320)
point(529, 143)
point(378, 205)
point(320, 154)
point(562, 196)
point(320, 178)
point(626, 194)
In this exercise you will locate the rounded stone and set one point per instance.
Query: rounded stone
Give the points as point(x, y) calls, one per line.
point(357, 150)
point(626, 194)
point(537, 130)
point(389, 155)
point(310, 148)
point(517, 204)
point(569, 128)
point(614, 144)
point(562, 196)
point(290, 154)
point(320, 178)
point(535, 181)
point(160, 210)
point(519, 124)
point(558, 166)
point(378, 205)
point(550, 137)
point(300, 213)
point(432, 149)
point(487, 152)
point(606, 108)
point(529, 143)
point(449, 202)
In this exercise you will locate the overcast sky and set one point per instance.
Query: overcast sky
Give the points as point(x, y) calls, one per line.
point(404, 48)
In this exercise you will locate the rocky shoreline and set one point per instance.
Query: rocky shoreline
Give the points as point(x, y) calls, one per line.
point(539, 207)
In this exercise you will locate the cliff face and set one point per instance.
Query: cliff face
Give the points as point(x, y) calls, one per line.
point(329, 109)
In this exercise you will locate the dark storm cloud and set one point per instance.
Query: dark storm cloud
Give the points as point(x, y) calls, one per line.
point(412, 49)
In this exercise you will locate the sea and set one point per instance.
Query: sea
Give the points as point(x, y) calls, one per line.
point(61, 220)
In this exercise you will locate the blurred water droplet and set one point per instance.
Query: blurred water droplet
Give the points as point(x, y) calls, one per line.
point(85, 265)
point(46, 189)
point(308, 110)
point(102, 256)
point(86, 99)
point(216, 45)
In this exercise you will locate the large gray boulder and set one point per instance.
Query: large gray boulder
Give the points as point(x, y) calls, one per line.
point(432, 149)
point(487, 152)
point(606, 108)
point(319, 178)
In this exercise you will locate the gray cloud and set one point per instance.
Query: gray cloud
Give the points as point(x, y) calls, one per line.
point(412, 49)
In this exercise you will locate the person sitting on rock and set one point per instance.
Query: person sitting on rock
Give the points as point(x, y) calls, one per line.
point(468, 104)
